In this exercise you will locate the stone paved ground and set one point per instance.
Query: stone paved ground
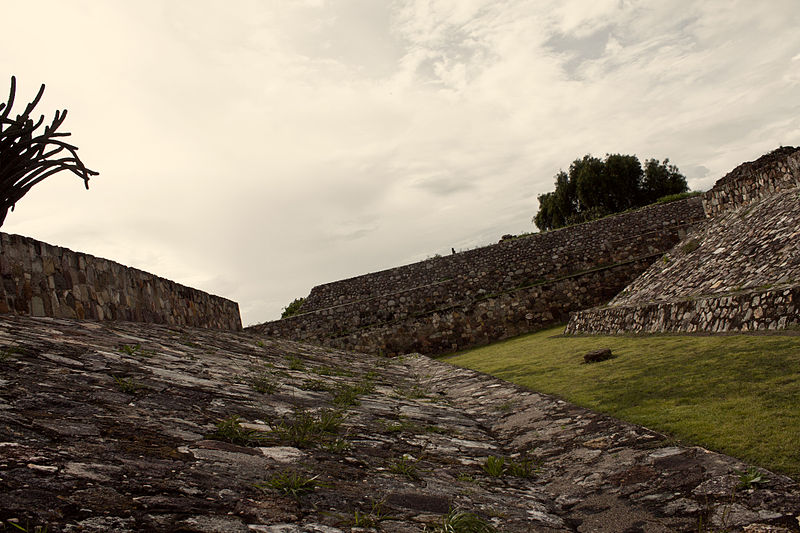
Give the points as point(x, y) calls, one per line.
point(115, 428)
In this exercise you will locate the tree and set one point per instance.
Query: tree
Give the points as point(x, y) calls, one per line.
point(27, 157)
point(661, 179)
point(594, 188)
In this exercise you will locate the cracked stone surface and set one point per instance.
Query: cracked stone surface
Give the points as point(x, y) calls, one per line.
point(114, 427)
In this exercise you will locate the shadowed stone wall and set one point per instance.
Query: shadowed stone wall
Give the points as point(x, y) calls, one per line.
point(39, 279)
point(740, 271)
point(490, 293)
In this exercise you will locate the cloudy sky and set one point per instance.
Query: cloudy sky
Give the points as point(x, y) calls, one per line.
point(254, 152)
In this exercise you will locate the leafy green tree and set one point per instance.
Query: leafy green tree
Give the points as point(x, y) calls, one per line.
point(594, 188)
point(661, 179)
point(293, 308)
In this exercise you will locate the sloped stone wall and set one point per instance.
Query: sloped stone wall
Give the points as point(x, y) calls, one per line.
point(772, 172)
point(39, 279)
point(771, 310)
point(512, 263)
point(737, 272)
point(490, 293)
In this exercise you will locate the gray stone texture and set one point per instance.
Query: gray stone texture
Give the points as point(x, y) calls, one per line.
point(39, 279)
point(490, 293)
point(95, 437)
point(738, 271)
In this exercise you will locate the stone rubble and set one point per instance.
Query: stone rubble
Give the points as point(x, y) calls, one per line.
point(109, 427)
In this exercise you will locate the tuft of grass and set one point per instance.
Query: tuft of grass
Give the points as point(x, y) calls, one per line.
point(461, 522)
point(752, 476)
point(337, 445)
point(314, 385)
point(263, 382)
point(495, 466)
point(128, 385)
point(696, 388)
point(295, 363)
point(405, 466)
point(231, 430)
point(135, 350)
point(291, 483)
point(304, 429)
point(26, 528)
point(7, 353)
point(345, 395)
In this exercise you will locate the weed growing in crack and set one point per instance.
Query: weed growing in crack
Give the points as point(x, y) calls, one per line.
point(9, 352)
point(263, 382)
point(231, 430)
point(750, 477)
point(495, 466)
point(314, 385)
point(135, 350)
point(127, 385)
point(461, 522)
point(405, 466)
point(337, 445)
point(345, 395)
point(305, 429)
point(291, 483)
point(295, 363)
point(370, 519)
point(500, 466)
point(26, 528)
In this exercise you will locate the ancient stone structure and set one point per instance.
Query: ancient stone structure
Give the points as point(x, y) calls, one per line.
point(740, 271)
point(197, 430)
point(39, 279)
point(479, 296)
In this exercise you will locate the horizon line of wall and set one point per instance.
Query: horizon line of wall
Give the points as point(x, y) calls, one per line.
point(482, 295)
point(40, 279)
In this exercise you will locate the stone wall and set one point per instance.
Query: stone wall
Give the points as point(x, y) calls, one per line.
point(772, 172)
point(511, 263)
point(39, 279)
point(771, 309)
point(491, 293)
point(729, 274)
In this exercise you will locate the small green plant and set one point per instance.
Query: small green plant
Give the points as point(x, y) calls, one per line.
point(127, 385)
point(261, 344)
point(345, 395)
point(466, 478)
point(495, 466)
point(291, 483)
point(337, 445)
point(405, 466)
point(26, 528)
point(263, 382)
point(462, 522)
point(293, 308)
point(231, 430)
point(751, 477)
point(295, 363)
point(371, 519)
point(314, 385)
point(7, 353)
point(505, 407)
point(136, 349)
point(305, 429)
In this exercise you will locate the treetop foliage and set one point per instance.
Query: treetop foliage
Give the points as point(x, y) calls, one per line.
point(594, 188)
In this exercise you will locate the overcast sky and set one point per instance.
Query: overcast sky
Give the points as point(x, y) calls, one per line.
point(257, 151)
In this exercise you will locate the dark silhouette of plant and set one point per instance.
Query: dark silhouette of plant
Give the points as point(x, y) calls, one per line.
point(28, 157)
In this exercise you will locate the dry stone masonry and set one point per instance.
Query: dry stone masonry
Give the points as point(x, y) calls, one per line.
point(39, 279)
point(127, 427)
point(740, 271)
point(479, 296)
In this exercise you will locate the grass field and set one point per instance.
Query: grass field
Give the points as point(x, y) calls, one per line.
point(738, 394)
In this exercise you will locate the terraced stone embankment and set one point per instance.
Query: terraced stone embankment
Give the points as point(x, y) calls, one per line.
point(135, 427)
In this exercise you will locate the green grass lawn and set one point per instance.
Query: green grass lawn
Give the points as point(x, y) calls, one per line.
point(739, 394)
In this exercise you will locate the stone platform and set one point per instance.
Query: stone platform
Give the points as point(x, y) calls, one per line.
point(131, 427)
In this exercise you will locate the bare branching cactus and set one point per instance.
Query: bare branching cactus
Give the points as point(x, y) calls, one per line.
point(27, 157)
